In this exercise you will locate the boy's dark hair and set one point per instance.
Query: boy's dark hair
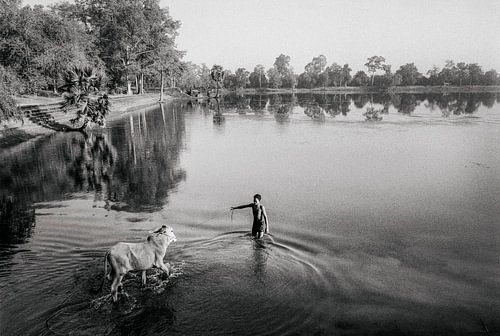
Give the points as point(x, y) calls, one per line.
point(257, 196)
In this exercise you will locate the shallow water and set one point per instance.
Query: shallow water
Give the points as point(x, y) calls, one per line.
point(383, 210)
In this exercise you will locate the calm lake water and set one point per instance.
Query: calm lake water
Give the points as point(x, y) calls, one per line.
point(384, 214)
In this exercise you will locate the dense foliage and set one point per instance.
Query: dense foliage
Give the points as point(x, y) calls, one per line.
point(132, 42)
point(9, 85)
point(126, 40)
point(84, 97)
point(317, 74)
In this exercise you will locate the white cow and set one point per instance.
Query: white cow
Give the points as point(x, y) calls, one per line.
point(125, 257)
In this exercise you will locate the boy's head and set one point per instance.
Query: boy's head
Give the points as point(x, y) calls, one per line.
point(257, 197)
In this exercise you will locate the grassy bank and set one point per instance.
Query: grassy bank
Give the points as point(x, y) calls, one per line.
point(370, 89)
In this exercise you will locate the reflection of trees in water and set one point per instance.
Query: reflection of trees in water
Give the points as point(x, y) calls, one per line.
point(218, 119)
point(487, 98)
point(460, 103)
point(282, 112)
point(360, 100)
point(373, 114)
point(405, 103)
point(281, 107)
point(242, 105)
point(315, 105)
point(39, 172)
point(92, 164)
point(258, 103)
point(17, 220)
point(214, 105)
point(338, 104)
point(147, 168)
point(135, 163)
point(315, 112)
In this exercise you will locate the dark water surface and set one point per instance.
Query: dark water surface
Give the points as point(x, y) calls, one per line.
point(384, 215)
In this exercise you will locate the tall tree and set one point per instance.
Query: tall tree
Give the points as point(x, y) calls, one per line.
point(205, 76)
point(285, 71)
point(282, 64)
point(409, 74)
point(475, 73)
point(305, 81)
point(39, 44)
point(229, 79)
point(241, 77)
point(462, 72)
point(8, 87)
point(315, 68)
point(130, 34)
point(274, 78)
point(449, 73)
point(335, 74)
point(345, 75)
point(375, 63)
point(83, 95)
point(360, 79)
point(258, 77)
point(217, 75)
point(433, 75)
point(490, 77)
point(189, 78)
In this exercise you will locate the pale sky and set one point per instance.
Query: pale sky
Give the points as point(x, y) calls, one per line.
point(238, 33)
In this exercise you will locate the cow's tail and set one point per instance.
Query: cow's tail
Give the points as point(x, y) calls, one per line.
point(105, 273)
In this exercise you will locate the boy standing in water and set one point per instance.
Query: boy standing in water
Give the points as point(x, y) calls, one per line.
point(260, 221)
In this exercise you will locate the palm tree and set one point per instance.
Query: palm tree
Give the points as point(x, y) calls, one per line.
point(82, 95)
point(217, 74)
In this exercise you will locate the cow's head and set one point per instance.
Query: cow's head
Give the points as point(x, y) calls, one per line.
point(168, 232)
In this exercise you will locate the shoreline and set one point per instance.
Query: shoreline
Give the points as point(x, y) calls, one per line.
point(369, 89)
point(17, 132)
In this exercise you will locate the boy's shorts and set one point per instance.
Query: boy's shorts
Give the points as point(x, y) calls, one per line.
point(258, 227)
point(257, 232)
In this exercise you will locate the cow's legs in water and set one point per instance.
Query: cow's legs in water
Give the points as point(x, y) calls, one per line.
point(114, 288)
point(164, 268)
point(144, 278)
point(120, 285)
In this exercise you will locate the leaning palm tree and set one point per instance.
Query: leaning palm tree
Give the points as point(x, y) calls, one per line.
point(82, 95)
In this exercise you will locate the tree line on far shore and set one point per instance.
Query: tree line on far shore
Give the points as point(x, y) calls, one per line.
point(318, 74)
point(130, 45)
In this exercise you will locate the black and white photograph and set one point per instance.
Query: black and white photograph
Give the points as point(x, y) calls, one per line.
point(249, 167)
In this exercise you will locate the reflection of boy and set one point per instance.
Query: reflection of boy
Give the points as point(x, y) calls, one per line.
point(260, 221)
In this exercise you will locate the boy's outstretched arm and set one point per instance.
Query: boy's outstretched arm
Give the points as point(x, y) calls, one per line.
point(242, 206)
point(264, 214)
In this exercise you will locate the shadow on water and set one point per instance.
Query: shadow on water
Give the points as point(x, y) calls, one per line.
point(17, 221)
point(132, 167)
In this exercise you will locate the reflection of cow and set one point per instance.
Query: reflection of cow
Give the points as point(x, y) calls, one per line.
point(125, 257)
